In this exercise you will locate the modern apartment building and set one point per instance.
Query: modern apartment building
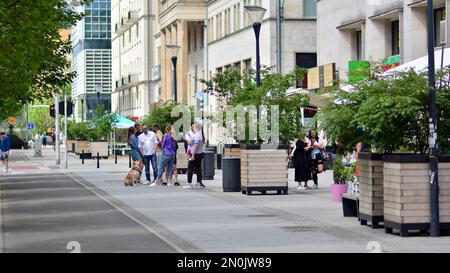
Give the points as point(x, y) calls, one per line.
point(135, 77)
point(388, 31)
point(231, 42)
point(91, 59)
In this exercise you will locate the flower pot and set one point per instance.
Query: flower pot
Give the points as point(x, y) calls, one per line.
point(338, 190)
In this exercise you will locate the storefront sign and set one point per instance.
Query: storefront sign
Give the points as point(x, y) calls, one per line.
point(11, 120)
point(322, 76)
point(390, 62)
point(358, 70)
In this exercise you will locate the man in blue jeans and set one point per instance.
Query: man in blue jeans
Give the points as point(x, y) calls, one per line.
point(4, 150)
point(147, 145)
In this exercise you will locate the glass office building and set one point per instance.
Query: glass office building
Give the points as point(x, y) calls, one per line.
point(91, 59)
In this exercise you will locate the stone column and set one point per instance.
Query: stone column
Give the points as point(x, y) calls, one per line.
point(163, 58)
point(182, 66)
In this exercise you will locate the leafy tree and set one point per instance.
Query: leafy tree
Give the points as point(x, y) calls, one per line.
point(235, 88)
point(33, 63)
point(388, 111)
point(163, 115)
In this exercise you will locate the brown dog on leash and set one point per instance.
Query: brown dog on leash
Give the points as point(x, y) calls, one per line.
point(133, 176)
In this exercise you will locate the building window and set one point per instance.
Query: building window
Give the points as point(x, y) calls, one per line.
point(309, 8)
point(305, 60)
point(395, 34)
point(359, 48)
point(439, 16)
point(247, 66)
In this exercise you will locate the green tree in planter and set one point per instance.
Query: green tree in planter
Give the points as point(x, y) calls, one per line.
point(102, 124)
point(163, 115)
point(389, 111)
point(79, 131)
point(237, 89)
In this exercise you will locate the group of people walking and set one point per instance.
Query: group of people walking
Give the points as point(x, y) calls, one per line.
point(152, 148)
point(307, 157)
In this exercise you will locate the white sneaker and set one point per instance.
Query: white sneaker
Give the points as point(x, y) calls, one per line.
point(314, 187)
point(168, 184)
point(153, 184)
point(146, 182)
point(301, 188)
point(188, 186)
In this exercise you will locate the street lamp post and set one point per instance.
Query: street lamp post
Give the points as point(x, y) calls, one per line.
point(434, 194)
point(256, 14)
point(173, 51)
point(98, 88)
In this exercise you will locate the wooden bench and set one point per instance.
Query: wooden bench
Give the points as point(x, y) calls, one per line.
point(350, 205)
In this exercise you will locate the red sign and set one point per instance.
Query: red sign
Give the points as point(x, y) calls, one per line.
point(134, 118)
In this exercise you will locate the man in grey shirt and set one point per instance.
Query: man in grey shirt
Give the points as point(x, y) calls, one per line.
point(195, 158)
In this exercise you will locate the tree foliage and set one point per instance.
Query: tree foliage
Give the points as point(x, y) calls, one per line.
point(388, 111)
point(33, 58)
point(238, 89)
point(163, 115)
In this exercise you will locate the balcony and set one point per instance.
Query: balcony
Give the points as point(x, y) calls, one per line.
point(119, 28)
point(180, 10)
point(133, 79)
point(125, 81)
point(133, 16)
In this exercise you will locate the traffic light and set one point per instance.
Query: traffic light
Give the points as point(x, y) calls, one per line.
point(52, 110)
point(61, 109)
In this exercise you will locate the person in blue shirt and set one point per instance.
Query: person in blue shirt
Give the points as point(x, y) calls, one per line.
point(136, 155)
point(4, 150)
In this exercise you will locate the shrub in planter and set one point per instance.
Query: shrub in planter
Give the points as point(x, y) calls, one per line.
point(389, 112)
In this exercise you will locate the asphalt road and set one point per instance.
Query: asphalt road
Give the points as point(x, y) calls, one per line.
point(54, 213)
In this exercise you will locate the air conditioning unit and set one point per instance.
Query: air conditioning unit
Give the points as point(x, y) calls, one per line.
point(443, 33)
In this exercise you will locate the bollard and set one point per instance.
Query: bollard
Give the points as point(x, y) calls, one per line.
point(129, 160)
point(115, 158)
point(82, 157)
point(98, 161)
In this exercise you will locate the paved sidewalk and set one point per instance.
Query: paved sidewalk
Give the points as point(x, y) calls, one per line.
point(210, 220)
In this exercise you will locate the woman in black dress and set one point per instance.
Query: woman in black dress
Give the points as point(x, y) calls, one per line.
point(300, 160)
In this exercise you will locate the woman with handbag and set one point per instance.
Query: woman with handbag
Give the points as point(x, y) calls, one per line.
point(300, 161)
point(315, 147)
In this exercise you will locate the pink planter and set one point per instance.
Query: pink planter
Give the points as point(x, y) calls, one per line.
point(338, 190)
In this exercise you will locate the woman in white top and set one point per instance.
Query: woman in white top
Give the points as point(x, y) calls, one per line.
point(315, 146)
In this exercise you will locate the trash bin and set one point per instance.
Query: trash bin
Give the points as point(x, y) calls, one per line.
point(208, 166)
point(231, 174)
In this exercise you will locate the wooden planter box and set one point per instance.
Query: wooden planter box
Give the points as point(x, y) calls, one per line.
point(70, 142)
point(370, 179)
point(232, 150)
point(264, 168)
point(81, 145)
point(100, 147)
point(407, 193)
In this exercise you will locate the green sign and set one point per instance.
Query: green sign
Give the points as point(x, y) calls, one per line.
point(358, 70)
point(391, 62)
